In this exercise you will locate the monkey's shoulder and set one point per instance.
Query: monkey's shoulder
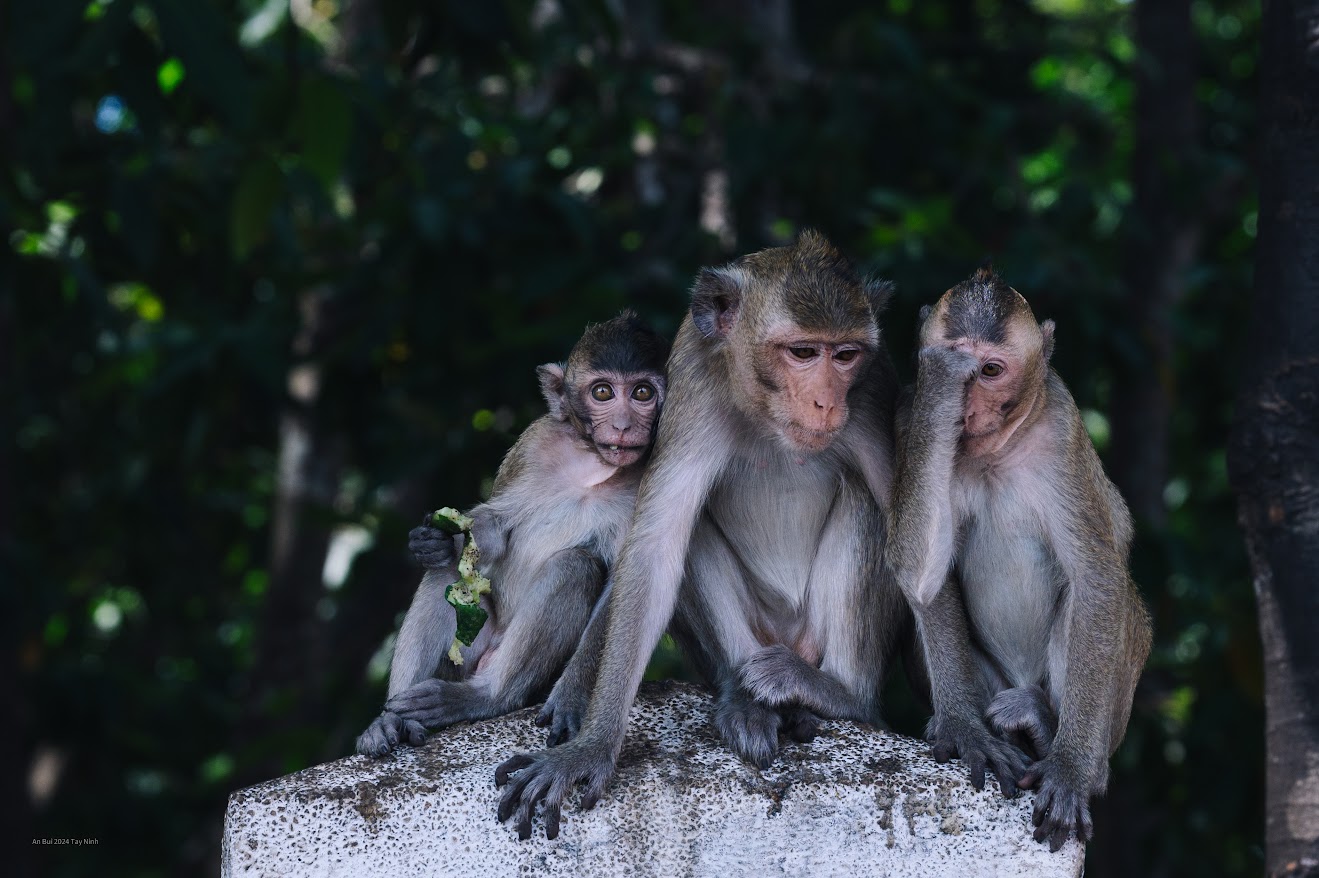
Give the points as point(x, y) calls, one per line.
point(551, 462)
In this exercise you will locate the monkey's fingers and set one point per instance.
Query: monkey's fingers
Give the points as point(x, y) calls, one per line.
point(942, 751)
point(1031, 779)
point(1006, 775)
point(507, 767)
point(380, 737)
point(1008, 764)
point(552, 815)
point(595, 786)
point(975, 766)
point(1085, 828)
point(514, 801)
point(801, 726)
point(419, 700)
point(414, 733)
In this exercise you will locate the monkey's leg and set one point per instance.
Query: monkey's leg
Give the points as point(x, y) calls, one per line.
point(565, 707)
point(957, 728)
point(1096, 649)
point(711, 623)
point(422, 644)
point(532, 648)
point(1098, 645)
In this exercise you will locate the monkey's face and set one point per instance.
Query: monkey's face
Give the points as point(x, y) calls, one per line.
point(996, 327)
point(801, 381)
point(616, 412)
point(1003, 390)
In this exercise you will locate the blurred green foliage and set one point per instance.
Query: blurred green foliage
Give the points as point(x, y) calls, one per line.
point(459, 187)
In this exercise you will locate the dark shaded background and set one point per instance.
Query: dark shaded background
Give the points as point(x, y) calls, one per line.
point(276, 276)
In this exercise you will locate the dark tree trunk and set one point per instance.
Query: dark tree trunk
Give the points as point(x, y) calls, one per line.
point(1274, 452)
point(292, 649)
point(1162, 239)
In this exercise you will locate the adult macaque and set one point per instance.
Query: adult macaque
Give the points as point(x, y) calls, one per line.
point(550, 531)
point(756, 520)
point(1011, 544)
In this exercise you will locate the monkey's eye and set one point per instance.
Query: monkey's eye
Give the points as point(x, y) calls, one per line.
point(991, 370)
point(602, 392)
point(643, 393)
point(803, 353)
point(846, 355)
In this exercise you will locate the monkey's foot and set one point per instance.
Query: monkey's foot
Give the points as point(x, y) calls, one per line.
point(563, 713)
point(750, 729)
point(385, 733)
point(1060, 805)
point(547, 777)
point(968, 739)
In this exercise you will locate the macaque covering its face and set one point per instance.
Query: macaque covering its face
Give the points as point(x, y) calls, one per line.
point(988, 319)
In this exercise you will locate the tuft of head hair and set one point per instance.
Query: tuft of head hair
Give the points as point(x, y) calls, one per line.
point(983, 307)
point(624, 344)
point(822, 289)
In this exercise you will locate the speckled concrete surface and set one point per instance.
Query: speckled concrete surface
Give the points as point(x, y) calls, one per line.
point(856, 801)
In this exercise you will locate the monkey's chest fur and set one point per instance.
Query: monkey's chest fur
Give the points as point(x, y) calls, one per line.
point(1011, 580)
point(567, 503)
point(772, 507)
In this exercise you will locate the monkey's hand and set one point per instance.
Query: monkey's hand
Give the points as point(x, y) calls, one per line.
point(942, 377)
point(385, 733)
point(547, 777)
point(564, 710)
point(432, 703)
point(948, 364)
point(966, 738)
point(1061, 803)
point(776, 675)
point(433, 548)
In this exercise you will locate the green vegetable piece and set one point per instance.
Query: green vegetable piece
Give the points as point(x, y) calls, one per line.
point(451, 521)
point(465, 594)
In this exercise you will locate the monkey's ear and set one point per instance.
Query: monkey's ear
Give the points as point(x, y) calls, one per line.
point(879, 292)
point(551, 384)
point(923, 315)
point(1046, 330)
point(716, 299)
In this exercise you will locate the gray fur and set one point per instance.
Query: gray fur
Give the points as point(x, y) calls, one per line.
point(551, 529)
point(1015, 559)
point(751, 542)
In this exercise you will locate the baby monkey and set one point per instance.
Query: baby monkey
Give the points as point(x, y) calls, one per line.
point(548, 535)
point(1011, 545)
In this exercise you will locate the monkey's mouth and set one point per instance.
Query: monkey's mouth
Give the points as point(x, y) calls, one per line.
point(803, 438)
point(620, 455)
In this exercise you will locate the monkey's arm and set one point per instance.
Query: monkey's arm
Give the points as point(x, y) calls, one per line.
point(957, 727)
point(689, 454)
point(565, 708)
point(921, 544)
point(1101, 643)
